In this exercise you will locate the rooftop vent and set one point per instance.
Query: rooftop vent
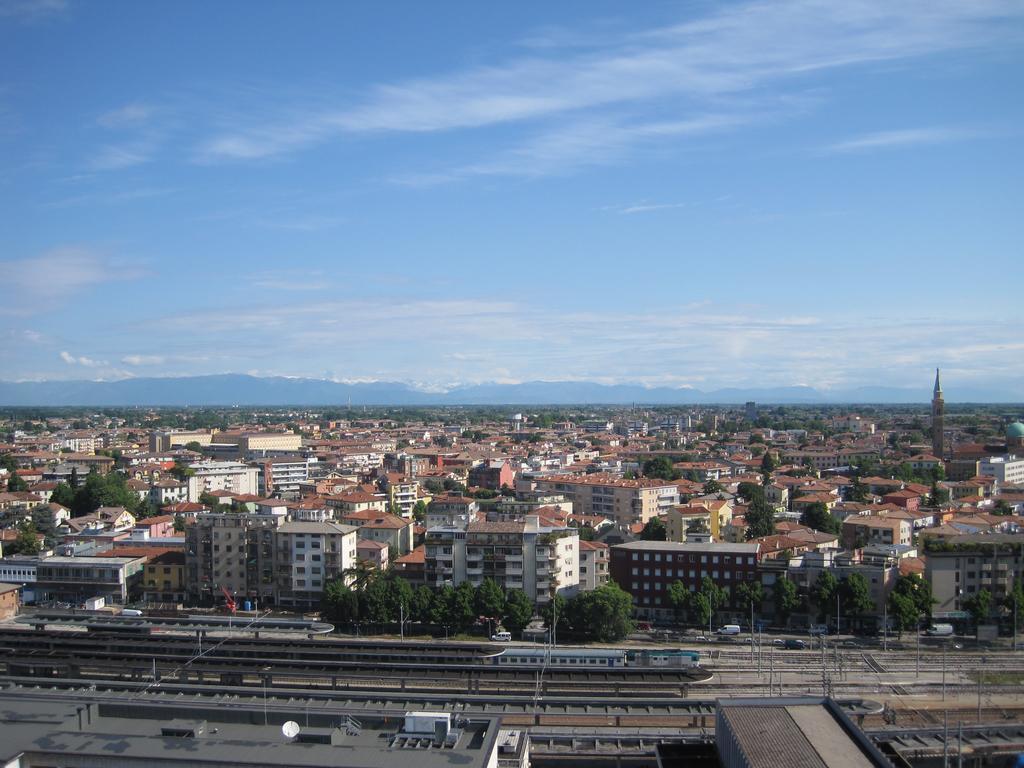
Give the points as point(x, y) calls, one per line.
point(184, 729)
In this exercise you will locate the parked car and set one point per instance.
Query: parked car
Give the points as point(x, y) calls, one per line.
point(794, 645)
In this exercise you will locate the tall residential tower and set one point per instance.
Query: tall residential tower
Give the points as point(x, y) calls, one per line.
point(938, 406)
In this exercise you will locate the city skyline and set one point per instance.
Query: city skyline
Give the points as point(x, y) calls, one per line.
point(706, 196)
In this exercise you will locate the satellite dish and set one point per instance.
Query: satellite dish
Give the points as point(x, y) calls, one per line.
point(290, 729)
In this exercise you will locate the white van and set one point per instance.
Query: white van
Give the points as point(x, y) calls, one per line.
point(131, 612)
point(940, 630)
point(501, 637)
point(729, 629)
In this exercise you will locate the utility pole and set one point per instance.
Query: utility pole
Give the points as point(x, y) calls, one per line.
point(885, 621)
point(751, 631)
point(944, 669)
point(960, 744)
point(837, 612)
point(945, 739)
point(980, 673)
point(917, 671)
point(401, 620)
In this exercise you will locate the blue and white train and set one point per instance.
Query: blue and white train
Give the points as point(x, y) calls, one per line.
point(526, 656)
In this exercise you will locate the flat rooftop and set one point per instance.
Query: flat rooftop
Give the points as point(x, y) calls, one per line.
point(51, 729)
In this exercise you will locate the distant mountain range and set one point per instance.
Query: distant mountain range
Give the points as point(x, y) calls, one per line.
point(238, 389)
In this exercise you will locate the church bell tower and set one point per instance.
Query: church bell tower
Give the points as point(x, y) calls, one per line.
point(938, 406)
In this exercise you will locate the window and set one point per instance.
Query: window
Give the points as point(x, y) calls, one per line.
point(657, 557)
point(636, 571)
point(636, 586)
point(647, 571)
point(636, 556)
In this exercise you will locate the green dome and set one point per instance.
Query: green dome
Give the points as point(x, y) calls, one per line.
point(1015, 430)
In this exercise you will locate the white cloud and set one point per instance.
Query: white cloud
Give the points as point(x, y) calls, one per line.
point(39, 283)
point(903, 138)
point(731, 52)
point(88, 362)
point(143, 359)
point(645, 207)
point(128, 115)
point(32, 10)
point(113, 157)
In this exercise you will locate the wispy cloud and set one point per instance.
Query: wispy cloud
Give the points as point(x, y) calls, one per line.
point(644, 207)
point(39, 283)
point(87, 362)
point(729, 53)
point(32, 10)
point(114, 157)
point(143, 359)
point(127, 115)
point(908, 137)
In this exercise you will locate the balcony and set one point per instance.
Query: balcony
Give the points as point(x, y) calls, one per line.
point(474, 571)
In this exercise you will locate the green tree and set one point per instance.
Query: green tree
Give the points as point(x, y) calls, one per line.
point(660, 467)
point(786, 598)
point(918, 591)
point(818, 517)
point(556, 607)
point(103, 491)
point(748, 592)
point(489, 599)
point(193, 445)
point(979, 605)
point(654, 530)
point(712, 487)
point(750, 491)
point(1014, 603)
point(823, 593)
point(708, 600)
point(903, 612)
point(678, 597)
point(518, 611)
point(937, 496)
point(768, 463)
point(422, 603)
point(181, 471)
point(340, 603)
point(1001, 508)
point(462, 613)
point(604, 614)
point(855, 595)
point(63, 495)
point(442, 608)
point(760, 519)
point(858, 491)
point(27, 541)
point(16, 483)
point(419, 511)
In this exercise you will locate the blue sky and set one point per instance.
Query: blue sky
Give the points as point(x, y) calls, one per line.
point(688, 194)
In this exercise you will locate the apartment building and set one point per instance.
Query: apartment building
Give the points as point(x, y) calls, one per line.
point(962, 566)
point(540, 560)
point(233, 553)
point(283, 476)
point(261, 442)
point(626, 501)
point(715, 515)
point(646, 569)
point(1007, 470)
point(860, 530)
point(594, 559)
point(165, 440)
point(231, 476)
point(307, 556)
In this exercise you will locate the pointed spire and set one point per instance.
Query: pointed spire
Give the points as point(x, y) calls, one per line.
point(938, 385)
